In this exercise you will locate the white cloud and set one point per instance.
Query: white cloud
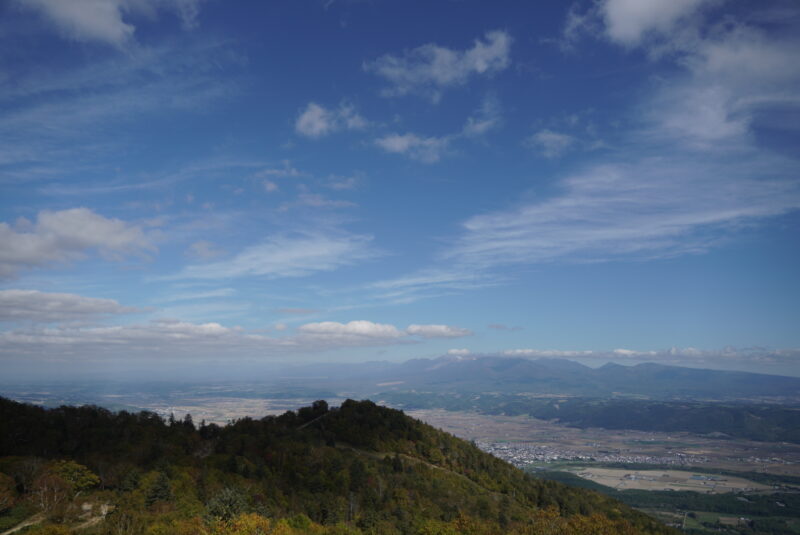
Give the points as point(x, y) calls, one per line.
point(754, 359)
point(41, 307)
point(285, 255)
point(430, 68)
point(179, 339)
point(437, 331)
point(281, 172)
point(342, 182)
point(353, 329)
point(738, 73)
point(307, 198)
point(549, 143)
point(57, 119)
point(317, 121)
point(486, 118)
point(102, 20)
point(701, 115)
point(204, 249)
point(690, 173)
point(430, 149)
point(547, 353)
point(459, 352)
point(504, 327)
point(158, 339)
point(629, 21)
point(424, 149)
point(298, 311)
point(362, 332)
point(652, 208)
point(429, 283)
point(207, 294)
point(66, 235)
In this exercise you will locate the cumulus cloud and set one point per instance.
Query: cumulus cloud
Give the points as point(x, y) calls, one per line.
point(737, 74)
point(66, 235)
point(430, 149)
point(629, 21)
point(459, 352)
point(424, 149)
point(550, 144)
point(437, 331)
point(285, 255)
point(317, 121)
point(41, 307)
point(429, 69)
point(105, 21)
point(737, 80)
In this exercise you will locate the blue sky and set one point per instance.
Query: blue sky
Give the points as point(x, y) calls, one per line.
point(235, 184)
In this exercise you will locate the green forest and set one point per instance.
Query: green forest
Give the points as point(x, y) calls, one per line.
point(355, 469)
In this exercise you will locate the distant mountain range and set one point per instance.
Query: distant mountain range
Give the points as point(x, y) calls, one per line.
point(546, 376)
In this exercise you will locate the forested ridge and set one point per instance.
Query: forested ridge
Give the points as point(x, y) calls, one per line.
point(358, 468)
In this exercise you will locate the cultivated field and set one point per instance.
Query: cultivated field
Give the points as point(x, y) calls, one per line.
point(668, 480)
point(567, 443)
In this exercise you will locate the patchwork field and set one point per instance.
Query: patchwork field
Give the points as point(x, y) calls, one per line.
point(550, 443)
point(668, 480)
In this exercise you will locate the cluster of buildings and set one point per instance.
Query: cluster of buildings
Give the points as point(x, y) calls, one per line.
point(521, 454)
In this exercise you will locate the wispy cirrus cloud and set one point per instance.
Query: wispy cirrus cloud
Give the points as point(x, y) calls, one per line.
point(429, 283)
point(57, 122)
point(298, 311)
point(648, 209)
point(287, 255)
point(429, 69)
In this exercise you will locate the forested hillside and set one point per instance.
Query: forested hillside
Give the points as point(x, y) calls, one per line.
point(359, 468)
